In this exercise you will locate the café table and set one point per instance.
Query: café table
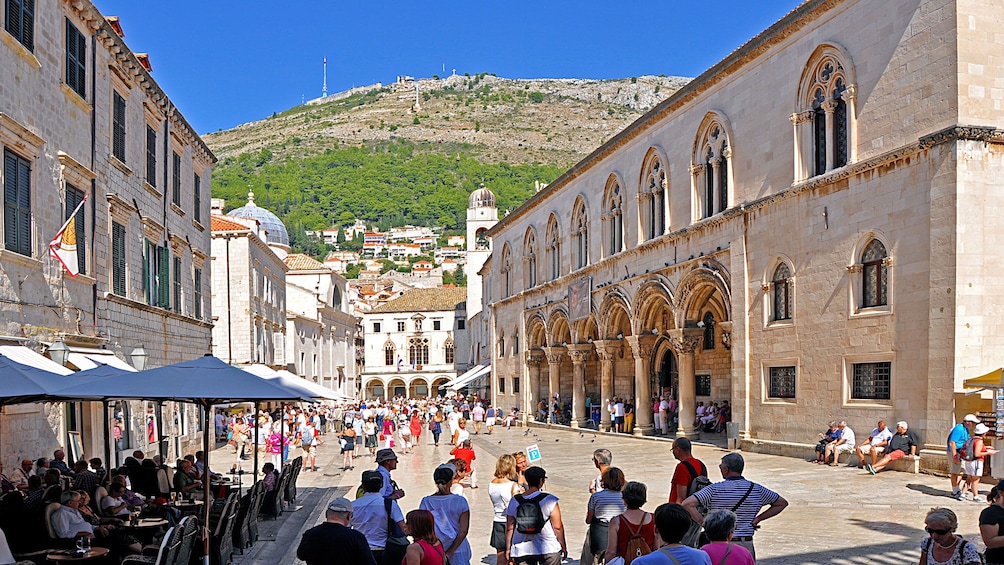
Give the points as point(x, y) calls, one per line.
point(187, 506)
point(75, 556)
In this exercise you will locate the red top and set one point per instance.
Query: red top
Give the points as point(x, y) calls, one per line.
point(465, 454)
point(415, 426)
point(626, 529)
point(431, 554)
point(683, 477)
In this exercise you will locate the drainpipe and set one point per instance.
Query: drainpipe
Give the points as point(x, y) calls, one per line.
point(94, 187)
point(230, 340)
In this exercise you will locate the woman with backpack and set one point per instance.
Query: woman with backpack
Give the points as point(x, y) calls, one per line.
point(603, 506)
point(452, 516)
point(973, 453)
point(534, 532)
point(631, 534)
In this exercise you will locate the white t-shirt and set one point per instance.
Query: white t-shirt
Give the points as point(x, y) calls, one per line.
point(538, 544)
point(880, 436)
point(619, 410)
point(109, 502)
point(848, 434)
point(478, 413)
point(446, 510)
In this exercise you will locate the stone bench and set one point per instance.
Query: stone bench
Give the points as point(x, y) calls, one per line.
point(904, 465)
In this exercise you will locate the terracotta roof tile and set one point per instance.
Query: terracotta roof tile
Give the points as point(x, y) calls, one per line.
point(221, 223)
point(301, 262)
point(426, 300)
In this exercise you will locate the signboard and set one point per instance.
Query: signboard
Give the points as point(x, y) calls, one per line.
point(580, 299)
point(533, 454)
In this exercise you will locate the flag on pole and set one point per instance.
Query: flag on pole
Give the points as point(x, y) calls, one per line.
point(63, 247)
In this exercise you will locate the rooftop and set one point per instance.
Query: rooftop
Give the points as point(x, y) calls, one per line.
point(426, 300)
point(301, 262)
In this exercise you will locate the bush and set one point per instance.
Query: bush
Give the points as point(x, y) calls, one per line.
point(536, 97)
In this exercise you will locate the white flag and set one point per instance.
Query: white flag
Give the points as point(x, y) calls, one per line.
point(64, 246)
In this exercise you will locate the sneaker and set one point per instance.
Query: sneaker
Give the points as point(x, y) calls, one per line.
point(957, 495)
point(870, 469)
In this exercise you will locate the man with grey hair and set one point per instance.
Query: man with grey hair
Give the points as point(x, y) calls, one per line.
point(739, 495)
point(67, 523)
point(602, 458)
point(333, 542)
point(904, 444)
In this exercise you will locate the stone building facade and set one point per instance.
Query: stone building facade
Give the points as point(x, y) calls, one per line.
point(415, 343)
point(805, 230)
point(82, 117)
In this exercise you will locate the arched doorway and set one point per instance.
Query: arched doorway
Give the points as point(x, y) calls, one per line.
point(666, 377)
point(373, 389)
point(419, 388)
point(436, 390)
point(396, 387)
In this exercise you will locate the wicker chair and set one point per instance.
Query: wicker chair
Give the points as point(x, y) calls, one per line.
point(189, 539)
point(222, 546)
point(165, 552)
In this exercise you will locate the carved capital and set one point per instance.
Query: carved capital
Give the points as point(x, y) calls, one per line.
point(686, 341)
point(644, 196)
point(765, 287)
point(887, 261)
point(697, 169)
point(855, 268)
point(555, 355)
point(534, 358)
point(727, 153)
point(828, 106)
point(579, 353)
point(850, 93)
point(800, 117)
point(641, 346)
point(609, 350)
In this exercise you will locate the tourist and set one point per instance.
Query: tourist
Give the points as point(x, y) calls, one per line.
point(309, 441)
point(19, 478)
point(348, 442)
point(602, 507)
point(992, 525)
point(632, 522)
point(875, 444)
point(84, 479)
point(688, 469)
point(436, 426)
point(844, 444)
point(184, 483)
point(825, 439)
point(461, 433)
point(501, 490)
point(943, 545)
point(478, 416)
point(333, 542)
point(466, 452)
point(371, 513)
point(461, 466)
point(388, 427)
point(386, 461)
point(415, 425)
point(956, 441)
point(522, 463)
point(370, 432)
point(426, 549)
point(673, 521)
point(973, 455)
point(903, 444)
point(547, 547)
point(720, 526)
point(452, 516)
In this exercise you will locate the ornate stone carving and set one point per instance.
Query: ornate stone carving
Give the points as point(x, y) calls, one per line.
point(555, 355)
point(609, 350)
point(855, 268)
point(534, 358)
point(641, 346)
point(849, 93)
point(829, 106)
point(685, 344)
point(697, 169)
point(727, 339)
point(578, 356)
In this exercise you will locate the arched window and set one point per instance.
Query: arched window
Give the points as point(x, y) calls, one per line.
point(481, 240)
point(389, 352)
point(553, 249)
point(712, 181)
point(824, 125)
point(613, 216)
point(709, 331)
point(580, 234)
point(653, 196)
point(781, 281)
point(530, 258)
point(418, 351)
point(449, 352)
point(874, 275)
point(506, 272)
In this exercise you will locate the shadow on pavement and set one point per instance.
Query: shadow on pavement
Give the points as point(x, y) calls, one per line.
point(929, 490)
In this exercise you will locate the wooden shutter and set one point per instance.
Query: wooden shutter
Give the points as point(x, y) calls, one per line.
point(177, 284)
point(176, 180)
point(10, 200)
point(198, 198)
point(17, 203)
point(164, 277)
point(73, 197)
point(76, 59)
point(151, 156)
point(118, 259)
point(118, 126)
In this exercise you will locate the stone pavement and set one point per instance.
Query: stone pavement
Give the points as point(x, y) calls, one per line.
point(836, 515)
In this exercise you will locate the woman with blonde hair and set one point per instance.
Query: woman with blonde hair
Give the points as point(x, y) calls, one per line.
point(943, 546)
point(521, 464)
point(500, 491)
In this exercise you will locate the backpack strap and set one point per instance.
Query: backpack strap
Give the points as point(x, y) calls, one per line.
point(670, 555)
point(725, 558)
point(632, 531)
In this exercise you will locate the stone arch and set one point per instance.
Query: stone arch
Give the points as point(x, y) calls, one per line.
point(396, 386)
point(771, 266)
point(864, 240)
point(825, 115)
point(653, 306)
point(374, 387)
point(505, 269)
point(707, 286)
point(536, 332)
point(552, 248)
point(615, 314)
point(612, 214)
point(653, 195)
point(830, 52)
point(558, 329)
point(665, 367)
point(711, 165)
point(437, 383)
point(578, 232)
point(413, 387)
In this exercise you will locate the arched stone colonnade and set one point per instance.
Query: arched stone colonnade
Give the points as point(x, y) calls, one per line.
point(410, 386)
point(638, 342)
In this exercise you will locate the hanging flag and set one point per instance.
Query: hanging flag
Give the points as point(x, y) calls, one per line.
point(399, 363)
point(63, 247)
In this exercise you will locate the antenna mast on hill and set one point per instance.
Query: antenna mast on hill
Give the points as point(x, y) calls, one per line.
point(324, 87)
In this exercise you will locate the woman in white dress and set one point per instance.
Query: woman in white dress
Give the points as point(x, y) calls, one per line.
point(452, 514)
point(461, 434)
point(501, 490)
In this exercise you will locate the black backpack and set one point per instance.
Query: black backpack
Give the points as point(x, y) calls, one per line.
point(529, 517)
point(699, 481)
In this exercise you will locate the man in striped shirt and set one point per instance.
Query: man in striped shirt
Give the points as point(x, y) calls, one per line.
point(739, 495)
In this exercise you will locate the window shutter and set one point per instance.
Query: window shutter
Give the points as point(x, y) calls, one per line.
point(14, 18)
point(198, 198)
point(28, 24)
point(163, 277)
point(177, 284)
point(118, 259)
point(118, 126)
point(10, 200)
point(176, 180)
point(151, 156)
point(76, 51)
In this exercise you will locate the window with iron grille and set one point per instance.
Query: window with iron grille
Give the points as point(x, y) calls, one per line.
point(702, 386)
point(782, 292)
point(17, 203)
point(515, 385)
point(73, 199)
point(119, 127)
point(198, 293)
point(872, 381)
point(76, 59)
point(118, 259)
point(450, 352)
point(151, 156)
point(782, 382)
point(21, 22)
point(176, 179)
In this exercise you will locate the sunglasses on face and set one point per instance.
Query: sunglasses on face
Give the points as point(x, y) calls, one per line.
point(933, 531)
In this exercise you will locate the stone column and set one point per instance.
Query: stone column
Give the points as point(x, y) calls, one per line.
point(608, 352)
point(534, 358)
point(555, 355)
point(849, 96)
point(579, 353)
point(642, 347)
point(685, 343)
point(828, 107)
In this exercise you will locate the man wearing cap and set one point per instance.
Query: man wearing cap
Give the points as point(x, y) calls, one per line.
point(386, 461)
point(369, 514)
point(956, 439)
point(333, 542)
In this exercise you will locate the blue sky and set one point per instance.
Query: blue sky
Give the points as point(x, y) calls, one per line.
point(225, 63)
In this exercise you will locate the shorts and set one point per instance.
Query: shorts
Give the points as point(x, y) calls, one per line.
point(954, 467)
point(844, 447)
point(349, 446)
point(498, 536)
point(868, 449)
point(490, 421)
point(897, 454)
point(618, 419)
point(973, 468)
point(309, 449)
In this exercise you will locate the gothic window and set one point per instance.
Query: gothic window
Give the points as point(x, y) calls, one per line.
point(449, 352)
point(388, 353)
point(530, 258)
point(614, 216)
point(418, 351)
point(781, 282)
point(710, 167)
point(580, 234)
point(709, 331)
point(653, 197)
point(553, 249)
point(874, 275)
point(506, 272)
point(824, 123)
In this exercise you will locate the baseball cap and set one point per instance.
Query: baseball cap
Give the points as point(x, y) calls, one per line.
point(971, 418)
point(340, 505)
point(386, 455)
point(444, 473)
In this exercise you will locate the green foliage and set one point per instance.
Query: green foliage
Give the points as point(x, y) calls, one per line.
point(416, 121)
point(634, 80)
point(536, 97)
point(389, 183)
point(657, 89)
point(352, 270)
point(387, 266)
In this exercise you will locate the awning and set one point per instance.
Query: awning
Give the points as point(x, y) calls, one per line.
point(465, 379)
point(85, 358)
point(991, 379)
point(25, 356)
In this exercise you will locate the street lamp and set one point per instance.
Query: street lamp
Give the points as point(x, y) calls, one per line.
point(139, 357)
point(58, 351)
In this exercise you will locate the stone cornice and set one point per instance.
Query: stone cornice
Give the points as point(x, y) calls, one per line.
point(794, 21)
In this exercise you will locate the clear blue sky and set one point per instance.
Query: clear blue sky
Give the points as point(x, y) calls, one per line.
point(225, 63)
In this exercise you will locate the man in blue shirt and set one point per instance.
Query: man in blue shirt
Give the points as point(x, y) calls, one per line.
point(956, 439)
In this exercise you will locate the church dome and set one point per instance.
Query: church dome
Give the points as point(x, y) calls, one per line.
point(481, 198)
point(273, 226)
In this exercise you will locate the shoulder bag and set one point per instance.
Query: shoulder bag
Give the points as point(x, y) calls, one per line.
point(397, 543)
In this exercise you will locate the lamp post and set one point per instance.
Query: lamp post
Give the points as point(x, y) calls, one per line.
point(58, 351)
point(139, 357)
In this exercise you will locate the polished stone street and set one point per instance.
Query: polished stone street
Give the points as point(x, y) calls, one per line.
point(836, 515)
